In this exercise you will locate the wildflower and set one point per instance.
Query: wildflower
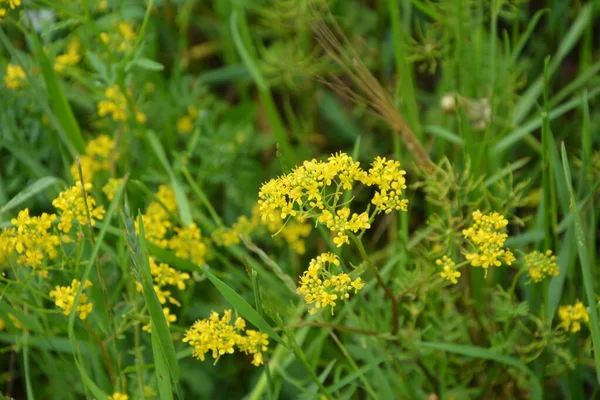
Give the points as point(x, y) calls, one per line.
point(115, 105)
point(31, 239)
point(165, 275)
point(168, 316)
point(111, 187)
point(157, 219)
point(571, 317)
point(15, 321)
point(185, 124)
point(99, 154)
point(64, 297)
point(14, 77)
point(12, 4)
point(187, 244)
point(340, 224)
point(70, 58)
point(215, 334)
point(389, 179)
point(449, 273)
point(72, 206)
point(124, 35)
point(118, 396)
point(321, 287)
point(540, 265)
point(486, 236)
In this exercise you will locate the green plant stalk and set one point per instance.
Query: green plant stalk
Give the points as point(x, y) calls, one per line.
point(586, 265)
point(258, 304)
point(242, 41)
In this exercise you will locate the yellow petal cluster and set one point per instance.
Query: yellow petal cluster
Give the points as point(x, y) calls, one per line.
point(342, 222)
point(487, 236)
point(15, 76)
point(157, 219)
point(168, 316)
point(70, 58)
point(571, 317)
point(5, 5)
point(111, 187)
point(115, 105)
point(185, 124)
point(118, 396)
point(187, 243)
point(31, 238)
point(390, 182)
point(72, 207)
point(123, 38)
point(322, 288)
point(217, 335)
point(64, 297)
point(540, 265)
point(449, 272)
point(99, 154)
point(164, 275)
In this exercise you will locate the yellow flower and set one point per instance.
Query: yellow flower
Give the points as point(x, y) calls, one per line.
point(64, 297)
point(185, 124)
point(115, 105)
point(12, 4)
point(540, 265)
point(31, 239)
point(168, 316)
point(216, 335)
point(571, 317)
point(99, 154)
point(486, 235)
point(187, 244)
point(322, 288)
point(72, 206)
point(118, 396)
point(157, 220)
point(70, 58)
point(111, 187)
point(124, 36)
point(389, 179)
point(15, 76)
point(449, 273)
point(164, 275)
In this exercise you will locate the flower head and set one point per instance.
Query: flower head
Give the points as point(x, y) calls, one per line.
point(540, 265)
point(71, 204)
point(571, 317)
point(449, 272)
point(64, 297)
point(15, 76)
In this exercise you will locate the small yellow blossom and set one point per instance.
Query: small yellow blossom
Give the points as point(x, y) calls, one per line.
point(540, 265)
point(12, 4)
point(216, 335)
point(64, 297)
point(70, 58)
point(486, 235)
point(31, 239)
point(115, 105)
point(99, 154)
point(165, 275)
point(123, 38)
point(571, 317)
point(111, 187)
point(449, 273)
point(118, 396)
point(322, 288)
point(72, 206)
point(157, 219)
point(340, 224)
point(187, 244)
point(15, 321)
point(389, 179)
point(168, 316)
point(15, 76)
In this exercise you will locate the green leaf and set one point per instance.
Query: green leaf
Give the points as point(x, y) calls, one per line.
point(165, 390)
point(29, 191)
point(242, 306)
point(145, 63)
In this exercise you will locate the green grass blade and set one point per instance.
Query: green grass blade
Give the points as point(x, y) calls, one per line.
point(526, 35)
point(242, 306)
point(183, 205)
point(165, 390)
point(30, 191)
point(480, 352)
point(61, 107)
point(444, 133)
point(586, 264)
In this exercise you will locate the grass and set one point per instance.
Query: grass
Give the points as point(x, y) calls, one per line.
point(193, 106)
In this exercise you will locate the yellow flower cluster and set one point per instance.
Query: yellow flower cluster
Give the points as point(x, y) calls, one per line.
point(115, 105)
point(322, 288)
point(12, 4)
point(571, 317)
point(168, 316)
point(70, 58)
point(99, 154)
point(72, 206)
point(157, 219)
point(215, 334)
point(292, 232)
point(314, 189)
point(31, 238)
point(185, 124)
point(540, 265)
point(111, 187)
point(186, 243)
point(118, 396)
point(124, 36)
point(486, 235)
point(165, 275)
point(14, 77)
point(64, 297)
point(449, 272)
